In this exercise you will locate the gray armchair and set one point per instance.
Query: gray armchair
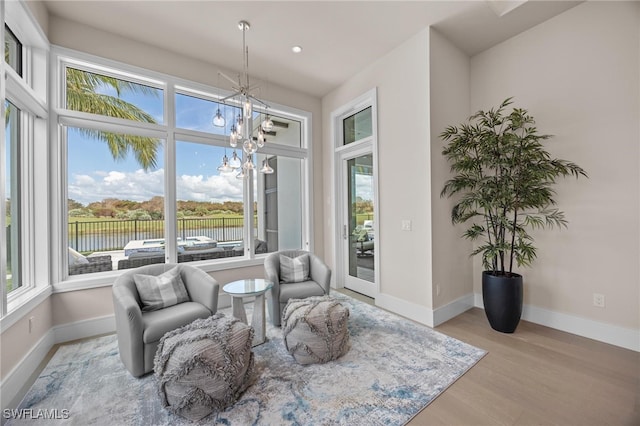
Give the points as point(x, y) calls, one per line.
point(281, 292)
point(139, 332)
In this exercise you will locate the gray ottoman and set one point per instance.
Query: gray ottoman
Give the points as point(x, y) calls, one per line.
point(204, 366)
point(315, 329)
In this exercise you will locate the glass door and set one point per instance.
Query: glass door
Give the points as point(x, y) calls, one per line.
point(359, 235)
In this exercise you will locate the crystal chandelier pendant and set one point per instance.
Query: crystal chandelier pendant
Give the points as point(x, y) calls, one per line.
point(239, 123)
point(248, 165)
point(225, 167)
point(247, 108)
point(267, 124)
point(218, 119)
point(235, 162)
point(233, 137)
point(266, 168)
point(249, 146)
point(241, 175)
point(261, 139)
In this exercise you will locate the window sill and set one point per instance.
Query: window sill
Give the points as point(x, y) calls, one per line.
point(105, 279)
point(24, 304)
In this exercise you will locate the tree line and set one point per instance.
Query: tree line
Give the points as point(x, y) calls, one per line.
point(150, 209)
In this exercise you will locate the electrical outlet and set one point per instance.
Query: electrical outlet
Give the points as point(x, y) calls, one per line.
point(32, 320)
point(406, 225)
point(598, 300)
point(437, 289)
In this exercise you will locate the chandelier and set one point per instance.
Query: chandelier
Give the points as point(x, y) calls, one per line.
point(242, 128)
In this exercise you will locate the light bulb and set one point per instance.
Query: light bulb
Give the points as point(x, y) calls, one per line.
point(249, 146)
point(248, 165)
point(267, 124)
point(235, 162)
point(224, 167)
point(266, 168)
point(218, 119)
point(239, 123)
point(260, 137)
point(233, 136)
point(247, 108)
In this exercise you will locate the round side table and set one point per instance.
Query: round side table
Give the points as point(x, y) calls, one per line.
point(240, 289)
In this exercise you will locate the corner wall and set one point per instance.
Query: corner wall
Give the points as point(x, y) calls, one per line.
point(452, 267)
point(578, 74)
point(402, 81)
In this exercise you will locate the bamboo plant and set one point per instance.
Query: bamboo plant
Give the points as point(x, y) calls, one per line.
point(503, 180)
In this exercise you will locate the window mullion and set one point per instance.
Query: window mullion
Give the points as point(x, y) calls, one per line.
point(248, 242)
point(170, 213)
point(23, 96)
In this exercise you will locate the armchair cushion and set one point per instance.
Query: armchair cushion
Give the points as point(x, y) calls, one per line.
point(294, 269)
point(158, 323)
point(161, 291)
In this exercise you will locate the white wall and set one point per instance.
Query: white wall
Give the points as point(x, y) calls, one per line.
point(452, 265)
point(402, 81)
point(579, 75)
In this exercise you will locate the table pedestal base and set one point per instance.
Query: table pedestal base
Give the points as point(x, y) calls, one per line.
point(258, 321)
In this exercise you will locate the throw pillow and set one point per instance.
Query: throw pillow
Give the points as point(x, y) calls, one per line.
point(76, 258)
point(294, 269)
point(162, 291)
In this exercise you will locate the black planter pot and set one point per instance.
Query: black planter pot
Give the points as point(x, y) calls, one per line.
point(502, 298)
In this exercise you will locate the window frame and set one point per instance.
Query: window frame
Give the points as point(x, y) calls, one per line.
point(170, 133)
point(28, 92)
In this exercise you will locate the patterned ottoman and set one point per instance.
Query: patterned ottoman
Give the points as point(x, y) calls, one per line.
point(315, 329)
point(204, 366)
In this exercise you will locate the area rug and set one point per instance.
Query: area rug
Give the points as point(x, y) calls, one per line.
point(393, 370)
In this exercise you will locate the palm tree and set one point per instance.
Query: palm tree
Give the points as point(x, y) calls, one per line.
point(82, 95)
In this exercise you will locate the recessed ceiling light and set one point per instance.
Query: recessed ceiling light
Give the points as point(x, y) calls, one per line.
point(296, 49)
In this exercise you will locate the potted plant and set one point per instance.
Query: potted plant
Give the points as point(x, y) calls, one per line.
point(503, 180)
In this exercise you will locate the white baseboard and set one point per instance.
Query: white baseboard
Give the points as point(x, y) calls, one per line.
point(17, 378)
point(627, 338)
point(86, 328)
point(415, 312)
point(11, 388)
point(452, 309)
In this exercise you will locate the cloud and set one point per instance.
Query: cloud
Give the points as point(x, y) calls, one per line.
point(142, 186)
point(364, 185)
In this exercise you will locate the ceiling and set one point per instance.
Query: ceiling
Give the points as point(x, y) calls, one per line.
point(338, 38)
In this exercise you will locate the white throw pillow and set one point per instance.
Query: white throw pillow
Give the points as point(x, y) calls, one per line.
point(76, 258)
point(162, 291)
point(294, 269)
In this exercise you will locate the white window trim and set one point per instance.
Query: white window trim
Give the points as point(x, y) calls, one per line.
point(29, 94)
point(61, 57)
point(367, 99)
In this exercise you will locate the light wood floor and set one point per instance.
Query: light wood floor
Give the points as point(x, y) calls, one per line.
point(536, 376)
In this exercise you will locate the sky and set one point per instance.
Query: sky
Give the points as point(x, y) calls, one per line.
point(94, 175)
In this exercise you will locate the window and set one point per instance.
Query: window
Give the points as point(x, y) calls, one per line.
point(12, 50)
point(113, 97)
point(357, 126)
point(115, 200)
point(23, 161)
point(141, 189)
point(13, 217)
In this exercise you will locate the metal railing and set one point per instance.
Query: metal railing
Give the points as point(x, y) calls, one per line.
point(115, 234)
